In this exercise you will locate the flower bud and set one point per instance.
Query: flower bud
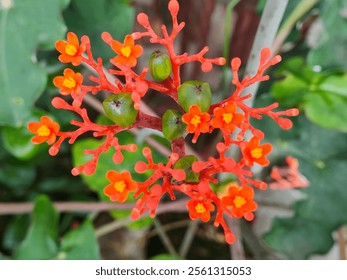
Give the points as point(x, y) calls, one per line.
point(120, 109)
point(195, 93)
point(160, 66)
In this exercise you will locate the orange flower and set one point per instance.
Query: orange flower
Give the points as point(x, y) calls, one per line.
point(127, 52)
point(71, 50)
point(70, 83)
point(254, 153)
point(45, 130)
point(121, 185)
point(226, 118)
point(197, 122)
point(200, 208)
point(240, 199)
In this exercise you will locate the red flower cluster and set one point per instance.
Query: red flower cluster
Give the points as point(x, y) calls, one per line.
point(230, 116)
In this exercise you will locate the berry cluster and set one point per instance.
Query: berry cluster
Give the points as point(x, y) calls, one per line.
point(182, 173)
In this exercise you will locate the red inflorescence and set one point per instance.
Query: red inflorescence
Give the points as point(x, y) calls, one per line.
point(230, 116)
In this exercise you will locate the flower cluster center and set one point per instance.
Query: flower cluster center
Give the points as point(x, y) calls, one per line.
point(196, 120)
point(126, 51)
point(200, 208)
point(239, 201)
point(43, 131)
point(119, 186)
point(70, 49)
point(69, 83)
point(257, 153)
point(227, 118)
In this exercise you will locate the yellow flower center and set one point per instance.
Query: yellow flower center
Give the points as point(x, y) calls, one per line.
point(239, 201)
point(119, 186)
point(70, 49)
point(43, 131)
point(257, 153)
point(126, 51)
point(227, 118)
point(196, 120)
point(200, 208)
point(69, 83)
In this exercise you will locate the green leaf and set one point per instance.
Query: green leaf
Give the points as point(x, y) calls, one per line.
point(331, 49)
point(24, 27)
point(195, 93)
point(186, 163)
point(322, 157)
point(40, 241)
point(87, 17)
point(323, 96)
point(172, 125)
point(17, 176)
point(15, 232)
point(120, 109)
point(80, 244)
point(327, 109)
point(165, 257)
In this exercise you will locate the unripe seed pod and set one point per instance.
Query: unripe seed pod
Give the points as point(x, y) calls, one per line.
point(120, 109)
point(172, 125)
point(186, 163)
point(160, 66)
point(195, 93)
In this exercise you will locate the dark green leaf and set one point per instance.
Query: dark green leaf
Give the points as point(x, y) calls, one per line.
point(80, 244)
point(88, 17)
point(40, 241)
point(322, 156)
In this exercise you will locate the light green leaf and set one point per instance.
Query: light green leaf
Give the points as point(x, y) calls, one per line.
point(80, 244)
point(25, 26)
point(40, 241)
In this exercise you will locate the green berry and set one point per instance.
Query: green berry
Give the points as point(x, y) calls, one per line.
point(195, 93)
point(160, 66)
point(120, 109)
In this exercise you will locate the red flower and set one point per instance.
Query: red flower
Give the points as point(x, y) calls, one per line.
point(254, 153)
point(197, 122)
point(226, 118)
point(71, 50)
point(70, 83)
point(200, 208)
point(127, 52)
point(121, 185)
point(45, 130)
point(241, 202)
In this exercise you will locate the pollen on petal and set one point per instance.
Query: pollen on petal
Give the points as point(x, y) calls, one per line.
point(126, 51)
point(227, 118)
point(239, 201)
point(69, 83)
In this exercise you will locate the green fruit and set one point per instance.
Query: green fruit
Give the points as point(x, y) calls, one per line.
point(186, 163)
point(120, 109)
point(160, 66)
point(195, 93)
point(172, 125)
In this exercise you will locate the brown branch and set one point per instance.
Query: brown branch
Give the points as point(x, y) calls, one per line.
point(27, 207)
